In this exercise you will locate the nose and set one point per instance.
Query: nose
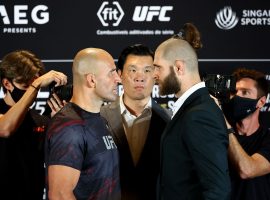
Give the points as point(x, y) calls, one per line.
point(139, 76)
point(155, 75)
point(117, 78)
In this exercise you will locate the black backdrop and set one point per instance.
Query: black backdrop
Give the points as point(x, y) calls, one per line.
point(234, 33)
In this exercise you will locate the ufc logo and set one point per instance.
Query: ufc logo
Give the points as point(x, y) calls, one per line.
point(147, 13)
point(109, 143)
point(39, 14)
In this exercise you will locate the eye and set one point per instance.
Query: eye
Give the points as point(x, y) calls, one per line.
point(148, 70)
point(244, 92)
point(132, 70)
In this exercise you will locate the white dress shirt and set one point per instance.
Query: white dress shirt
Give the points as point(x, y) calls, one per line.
point(180, 101)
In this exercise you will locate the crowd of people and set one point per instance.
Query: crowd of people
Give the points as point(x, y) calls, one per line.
point(131, 148)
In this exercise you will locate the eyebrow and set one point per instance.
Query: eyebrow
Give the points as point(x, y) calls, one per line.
point(112, 70)
point(244, 89)
point(148, 66)
point(156, 65)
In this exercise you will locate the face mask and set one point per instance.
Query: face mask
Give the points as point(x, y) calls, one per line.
point(17, 93)
point(239, 108)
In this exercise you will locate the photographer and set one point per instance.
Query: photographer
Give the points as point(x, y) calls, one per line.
point(249, 142)
point(21, 128)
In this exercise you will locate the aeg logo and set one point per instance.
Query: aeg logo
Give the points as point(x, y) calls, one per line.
point(147, 13)
point(39, 14)
point(113, 13)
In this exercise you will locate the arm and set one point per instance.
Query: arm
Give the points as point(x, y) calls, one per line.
point(207, 142)
point(12, 119)
point(62, 181)
point(247, 166)
point(63, 144)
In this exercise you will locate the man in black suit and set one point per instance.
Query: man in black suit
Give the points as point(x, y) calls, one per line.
point(194, 144)
point(137, 123)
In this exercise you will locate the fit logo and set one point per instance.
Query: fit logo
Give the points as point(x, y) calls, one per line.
point(109, 143)
point(39, 14)
point(147, 13)
point(110, 13)
point(226, 19)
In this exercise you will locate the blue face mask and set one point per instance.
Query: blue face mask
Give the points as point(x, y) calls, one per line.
point(238, 108)
point(17, 93)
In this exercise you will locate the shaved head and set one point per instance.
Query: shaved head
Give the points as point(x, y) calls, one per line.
point(89, 60)
point(178, 49)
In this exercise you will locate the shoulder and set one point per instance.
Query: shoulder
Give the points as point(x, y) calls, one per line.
point(111, 105)
point(107, 110)
point(68, 112)
point(67, 121)
point(164, 113)
point(204, 106)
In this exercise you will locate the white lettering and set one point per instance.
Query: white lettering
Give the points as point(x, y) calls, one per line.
point(44, 16)
point(155, 93)
point(162, 16)
point(19, 15)
point(268, 98)
point(147, 13)
point(170, 104)
point(153, 11)
point(109, 143)
point(256, 13)
point(3, 13)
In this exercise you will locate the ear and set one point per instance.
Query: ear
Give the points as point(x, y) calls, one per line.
point(179, 67)
point(261, 102)
point(91, 80)
point(7, 84)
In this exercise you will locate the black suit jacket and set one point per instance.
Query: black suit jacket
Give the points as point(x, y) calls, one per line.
point(138, 182)
point(194, 152)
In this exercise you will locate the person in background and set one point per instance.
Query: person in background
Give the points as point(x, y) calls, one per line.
point(137, 123)
point(21, 128)
point(194, 162)
point(249, 142)
point(81, 157)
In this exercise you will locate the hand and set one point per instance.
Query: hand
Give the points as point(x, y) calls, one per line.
point(55, 104)
point(219, 105)
point(49, 77)
point(216, 101)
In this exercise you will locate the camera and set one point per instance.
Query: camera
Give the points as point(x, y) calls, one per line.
point(64, 92)
point(220, 86)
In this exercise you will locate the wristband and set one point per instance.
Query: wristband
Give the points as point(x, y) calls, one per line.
point(230, 130)
point(34, 87)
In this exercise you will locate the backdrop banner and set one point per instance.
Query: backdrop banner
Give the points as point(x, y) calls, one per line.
point(234, 34)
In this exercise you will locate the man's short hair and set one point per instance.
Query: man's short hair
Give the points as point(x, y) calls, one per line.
point(20, 66)
point(137, 50)
point(257, 76)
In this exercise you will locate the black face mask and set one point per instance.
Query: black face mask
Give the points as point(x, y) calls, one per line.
point(17, 93)
point(239, 108)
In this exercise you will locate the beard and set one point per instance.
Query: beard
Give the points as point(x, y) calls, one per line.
point(171, 84)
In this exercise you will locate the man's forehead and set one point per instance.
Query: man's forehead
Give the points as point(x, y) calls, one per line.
point(246, 81)
point(246, 84)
